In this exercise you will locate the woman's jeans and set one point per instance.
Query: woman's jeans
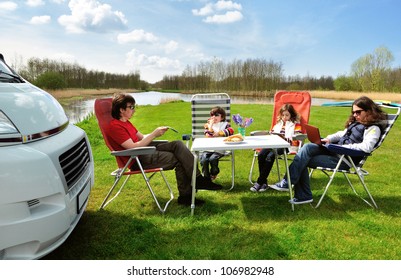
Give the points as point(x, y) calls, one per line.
point(310, 155)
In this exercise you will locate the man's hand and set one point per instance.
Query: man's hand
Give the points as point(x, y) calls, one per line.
point(160, 131)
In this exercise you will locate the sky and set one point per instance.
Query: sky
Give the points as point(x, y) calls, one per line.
point(162, 37)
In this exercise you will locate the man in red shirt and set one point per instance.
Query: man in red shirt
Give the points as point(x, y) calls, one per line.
point(123, 135)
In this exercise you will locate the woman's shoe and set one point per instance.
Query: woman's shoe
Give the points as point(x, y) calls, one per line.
point(300, 201)
point(281, 186)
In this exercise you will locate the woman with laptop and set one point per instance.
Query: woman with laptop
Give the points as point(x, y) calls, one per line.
point(362, 131)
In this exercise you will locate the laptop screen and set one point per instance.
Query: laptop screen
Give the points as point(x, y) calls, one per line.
point(313, 134)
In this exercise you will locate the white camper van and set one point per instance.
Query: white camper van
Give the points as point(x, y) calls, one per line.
point(46, 170)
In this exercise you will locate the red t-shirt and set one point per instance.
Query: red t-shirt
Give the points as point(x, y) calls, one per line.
point(119, 132)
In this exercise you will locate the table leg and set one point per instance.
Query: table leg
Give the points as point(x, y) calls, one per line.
point(232, 170)
point(194, 182)
point(288, 176)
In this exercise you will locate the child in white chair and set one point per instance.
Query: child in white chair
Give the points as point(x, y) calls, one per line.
point(216, 126)
point(288, 124)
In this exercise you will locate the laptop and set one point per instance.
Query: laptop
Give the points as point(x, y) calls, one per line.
point(313, 134)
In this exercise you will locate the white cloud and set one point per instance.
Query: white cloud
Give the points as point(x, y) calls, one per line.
point(8, 6)
point(136, 36)
point(58, 1)
point(40, 20)
point(206, 10)
point(91, 15)
point(171, 46)
point(227, 5)
point(35, 3)
point(213, 12)
point(138, 60)
point(228, 17)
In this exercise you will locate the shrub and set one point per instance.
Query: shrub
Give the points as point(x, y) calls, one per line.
point(50, 80)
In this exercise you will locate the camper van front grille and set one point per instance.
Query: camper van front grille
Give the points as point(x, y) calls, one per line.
point(33, 202)
point(74, 162)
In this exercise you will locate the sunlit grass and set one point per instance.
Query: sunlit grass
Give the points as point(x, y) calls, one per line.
point(239, 224)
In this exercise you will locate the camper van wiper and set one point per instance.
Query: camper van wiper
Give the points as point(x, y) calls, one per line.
point(14, 77)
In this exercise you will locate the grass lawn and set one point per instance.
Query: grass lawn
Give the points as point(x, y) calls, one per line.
point(240, 224)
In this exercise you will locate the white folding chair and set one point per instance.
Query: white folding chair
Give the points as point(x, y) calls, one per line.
point(356, 168)
point(201, 104)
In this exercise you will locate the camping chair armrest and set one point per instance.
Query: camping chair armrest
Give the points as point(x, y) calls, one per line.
point(300, 137)
point(338, 149)
point(157, 142)
point(259, 132)
point(134, 152)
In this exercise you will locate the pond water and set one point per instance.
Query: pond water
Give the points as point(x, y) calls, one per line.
point(77, 110)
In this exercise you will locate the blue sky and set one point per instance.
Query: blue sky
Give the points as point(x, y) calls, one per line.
point(162, 37)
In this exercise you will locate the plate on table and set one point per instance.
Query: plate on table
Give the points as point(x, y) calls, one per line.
point(234, 142)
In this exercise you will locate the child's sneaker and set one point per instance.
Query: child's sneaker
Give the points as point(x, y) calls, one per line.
point(263, 188)
point(255, 187)
point(258, 188)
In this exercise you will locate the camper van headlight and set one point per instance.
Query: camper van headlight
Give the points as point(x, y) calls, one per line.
point(9, 134)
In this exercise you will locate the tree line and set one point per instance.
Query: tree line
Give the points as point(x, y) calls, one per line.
point(54, 74)
point(371, 72)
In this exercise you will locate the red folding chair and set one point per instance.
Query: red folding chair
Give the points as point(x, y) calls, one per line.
point(102, 109)
point(301, 101)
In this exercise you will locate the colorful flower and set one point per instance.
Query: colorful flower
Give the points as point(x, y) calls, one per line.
point(242, 122)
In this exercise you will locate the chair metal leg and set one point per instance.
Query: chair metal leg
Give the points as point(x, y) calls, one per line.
point(277, 165)
point(361, 179)
point(147, 180)
point(117, 178)
point(255, 154)
point(329, 183)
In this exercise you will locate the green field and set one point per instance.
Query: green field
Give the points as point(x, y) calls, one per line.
point(240, 224)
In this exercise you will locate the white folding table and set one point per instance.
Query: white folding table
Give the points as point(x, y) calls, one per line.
point(249, 143)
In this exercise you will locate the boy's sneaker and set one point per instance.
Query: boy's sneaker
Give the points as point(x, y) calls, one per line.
point(281, 186)
point(300, 201)
point(258, 188)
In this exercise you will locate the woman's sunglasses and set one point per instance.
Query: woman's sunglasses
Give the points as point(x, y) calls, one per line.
point(357, 112)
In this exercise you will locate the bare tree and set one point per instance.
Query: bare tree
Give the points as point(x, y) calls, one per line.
point(371, 70)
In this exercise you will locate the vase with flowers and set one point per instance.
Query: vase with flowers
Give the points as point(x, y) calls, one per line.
point(242, 123)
